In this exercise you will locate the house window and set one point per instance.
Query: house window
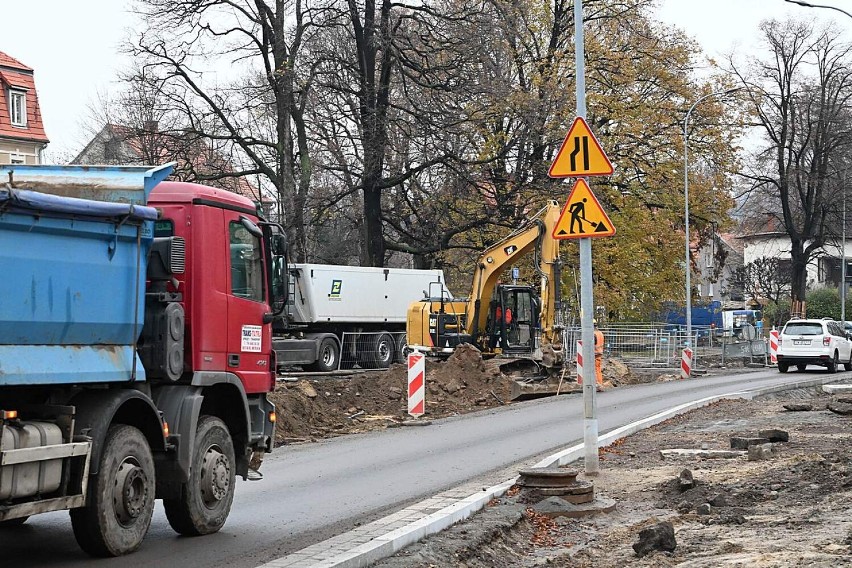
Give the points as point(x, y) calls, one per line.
point(18, 108)
point(17, 159)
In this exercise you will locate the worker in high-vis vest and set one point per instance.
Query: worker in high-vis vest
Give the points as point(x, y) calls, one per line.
point(599, 349)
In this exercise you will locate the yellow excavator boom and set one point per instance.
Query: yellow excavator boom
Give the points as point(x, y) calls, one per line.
point(535, 236)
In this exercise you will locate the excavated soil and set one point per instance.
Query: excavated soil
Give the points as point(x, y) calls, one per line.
point(322, 407)
point(791, 508)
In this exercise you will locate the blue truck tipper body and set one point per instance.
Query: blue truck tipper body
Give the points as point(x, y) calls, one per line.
point(72, 293)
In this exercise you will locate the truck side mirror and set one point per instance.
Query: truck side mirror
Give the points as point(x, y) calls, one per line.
point(278, 243)
point(249, 225)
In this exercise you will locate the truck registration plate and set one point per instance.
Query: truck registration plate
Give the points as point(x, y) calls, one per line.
point(801, 342)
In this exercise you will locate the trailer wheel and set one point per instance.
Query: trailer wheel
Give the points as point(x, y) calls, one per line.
point(402, 349)
point(121, 496)
point(380, 352)
point(205, 500)
point(328, 356)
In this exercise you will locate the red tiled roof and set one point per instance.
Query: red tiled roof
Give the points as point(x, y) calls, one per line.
point(15, 74)
point(7, 61)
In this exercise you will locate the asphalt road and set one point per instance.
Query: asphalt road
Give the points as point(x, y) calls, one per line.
point(314, 491)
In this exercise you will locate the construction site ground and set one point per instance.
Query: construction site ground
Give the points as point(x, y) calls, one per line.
point(791, 509)
point(313, 407)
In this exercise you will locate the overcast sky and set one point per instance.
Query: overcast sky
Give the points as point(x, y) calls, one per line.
point(73, 47)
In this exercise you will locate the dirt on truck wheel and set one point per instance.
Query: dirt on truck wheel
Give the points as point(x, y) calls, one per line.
point(206, 498)
point(121, 496)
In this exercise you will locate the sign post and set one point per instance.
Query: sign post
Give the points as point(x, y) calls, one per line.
point(583, 218)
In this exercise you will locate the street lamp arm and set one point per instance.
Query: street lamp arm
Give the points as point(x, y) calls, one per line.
point(705, 97)
point(809, 5)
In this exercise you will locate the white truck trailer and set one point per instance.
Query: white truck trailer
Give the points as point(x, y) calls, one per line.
point(343, 316)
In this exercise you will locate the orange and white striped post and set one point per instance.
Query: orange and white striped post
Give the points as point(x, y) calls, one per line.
point(416, 384)
point(686, 363)
point(579, 362)
point(773, 346)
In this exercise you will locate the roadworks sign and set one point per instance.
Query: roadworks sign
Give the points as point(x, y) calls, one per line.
point(580, 154)
point(582, 216)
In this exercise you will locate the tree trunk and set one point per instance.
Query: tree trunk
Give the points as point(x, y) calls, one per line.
point(798, 279)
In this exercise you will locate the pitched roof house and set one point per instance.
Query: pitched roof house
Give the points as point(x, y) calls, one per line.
point(22, 136)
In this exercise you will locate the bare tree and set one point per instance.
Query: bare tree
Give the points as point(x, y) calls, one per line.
point(766, 277)
point(798, 94)
point(258, 113)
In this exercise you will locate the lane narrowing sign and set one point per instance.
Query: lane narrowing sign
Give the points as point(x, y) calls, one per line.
point(580, 155)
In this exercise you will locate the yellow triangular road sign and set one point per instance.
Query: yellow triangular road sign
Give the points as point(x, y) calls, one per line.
point(582, 215)
point(580, 154)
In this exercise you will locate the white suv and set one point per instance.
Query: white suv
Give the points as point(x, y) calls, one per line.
point(814, 342)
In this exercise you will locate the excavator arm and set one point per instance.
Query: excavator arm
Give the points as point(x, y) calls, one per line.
point(536, 236)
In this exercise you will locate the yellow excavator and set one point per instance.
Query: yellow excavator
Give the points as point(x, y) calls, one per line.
point(500, 319)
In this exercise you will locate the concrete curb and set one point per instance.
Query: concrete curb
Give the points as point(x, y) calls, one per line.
point(386, 545)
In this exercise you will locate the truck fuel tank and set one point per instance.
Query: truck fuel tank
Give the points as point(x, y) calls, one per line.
point(35, 477)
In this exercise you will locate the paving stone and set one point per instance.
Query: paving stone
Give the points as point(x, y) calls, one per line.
point(760, 452)
point(775, 435)
point(739, 443)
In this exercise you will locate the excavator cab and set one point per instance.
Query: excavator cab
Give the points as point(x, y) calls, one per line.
point(512, 323)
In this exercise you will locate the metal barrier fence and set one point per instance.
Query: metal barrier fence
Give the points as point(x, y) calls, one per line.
point(372, 349)
point(638, 344)
point(661, 344)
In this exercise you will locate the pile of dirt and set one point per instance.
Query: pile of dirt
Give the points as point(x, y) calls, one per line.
point(309, 409)
point(788, 508)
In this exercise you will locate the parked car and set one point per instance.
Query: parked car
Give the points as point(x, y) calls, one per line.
point(822, 342)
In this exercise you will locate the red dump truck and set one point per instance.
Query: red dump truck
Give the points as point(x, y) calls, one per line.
point(135, 349)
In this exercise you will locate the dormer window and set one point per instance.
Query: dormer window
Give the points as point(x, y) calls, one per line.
point(18, 107)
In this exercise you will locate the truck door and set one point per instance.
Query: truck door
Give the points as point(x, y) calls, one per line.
point(249, 340)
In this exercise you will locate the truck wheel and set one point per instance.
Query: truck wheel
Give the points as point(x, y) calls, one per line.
point(121, 496)
point(328, 356)
point(205, 500)
point(381, 351)
point(402, 348)
point(782, 367)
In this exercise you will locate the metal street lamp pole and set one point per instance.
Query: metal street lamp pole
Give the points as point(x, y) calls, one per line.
point(809, 5)
point(686, 206)
point(843, 260)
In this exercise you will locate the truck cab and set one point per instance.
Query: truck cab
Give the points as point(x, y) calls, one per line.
point(227, 277)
